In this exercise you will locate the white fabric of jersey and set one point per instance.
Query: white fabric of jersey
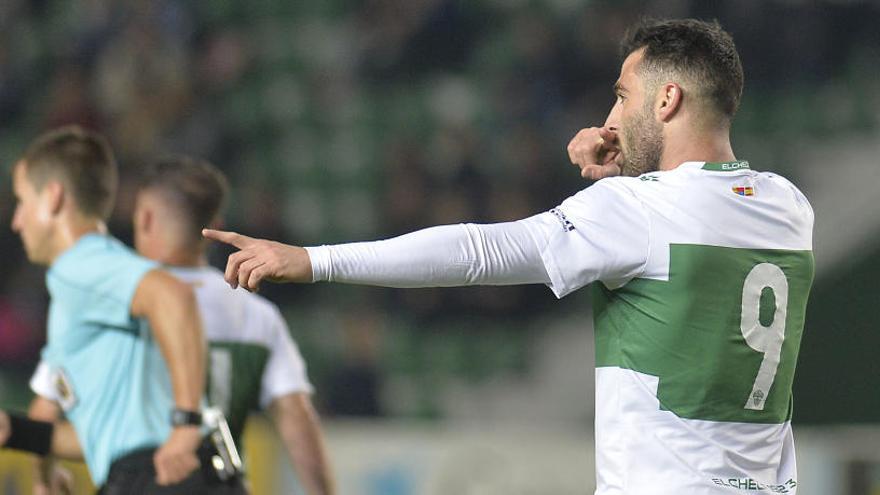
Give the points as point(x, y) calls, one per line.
point(614, 231)
point(232, 316)
point(41, 382)
point(240, 316)
point(610, 243)
point(444, 256)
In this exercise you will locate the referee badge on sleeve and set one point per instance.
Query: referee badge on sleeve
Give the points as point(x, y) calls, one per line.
point(64, 392)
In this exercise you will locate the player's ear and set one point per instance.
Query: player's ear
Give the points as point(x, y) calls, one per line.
point(143, 219)
point(669, 99)
point(54, 195)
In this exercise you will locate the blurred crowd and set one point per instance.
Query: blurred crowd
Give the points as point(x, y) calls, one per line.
point(359, 119)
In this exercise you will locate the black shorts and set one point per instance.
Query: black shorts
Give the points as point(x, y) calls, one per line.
point(135, 474)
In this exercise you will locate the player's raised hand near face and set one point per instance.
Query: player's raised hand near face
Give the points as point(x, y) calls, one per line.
point(596, 151)
point(260, 259)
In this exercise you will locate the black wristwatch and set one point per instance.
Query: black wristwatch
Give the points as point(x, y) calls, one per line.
point(182, 417)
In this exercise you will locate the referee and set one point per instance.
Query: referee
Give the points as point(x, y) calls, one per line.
point(125, 352)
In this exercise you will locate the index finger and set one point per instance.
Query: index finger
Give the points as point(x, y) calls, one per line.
point(233, 238)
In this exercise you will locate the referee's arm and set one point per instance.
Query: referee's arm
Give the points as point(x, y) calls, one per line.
point(39, 437)
point(47, 472)
point(170, 307)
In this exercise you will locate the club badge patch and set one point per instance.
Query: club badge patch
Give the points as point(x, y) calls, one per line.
point(63, 389)
point(743, 190)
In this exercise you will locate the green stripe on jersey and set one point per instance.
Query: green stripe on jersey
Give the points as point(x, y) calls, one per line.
point(722, 334)
point(235, 377)
point(726, 166)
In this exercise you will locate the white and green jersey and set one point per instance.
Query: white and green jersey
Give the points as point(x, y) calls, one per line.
point(252, 357)
point(705, 274)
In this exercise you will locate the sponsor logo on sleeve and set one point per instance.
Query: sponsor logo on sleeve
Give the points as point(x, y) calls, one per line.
point(567, 226)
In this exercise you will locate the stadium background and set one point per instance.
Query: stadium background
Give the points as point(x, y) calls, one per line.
point(349, 120)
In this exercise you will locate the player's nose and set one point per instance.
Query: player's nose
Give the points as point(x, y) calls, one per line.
point(613, 120)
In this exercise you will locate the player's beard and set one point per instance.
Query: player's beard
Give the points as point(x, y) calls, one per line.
point(642, 144)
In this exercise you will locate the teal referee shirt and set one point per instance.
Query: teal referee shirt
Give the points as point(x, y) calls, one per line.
point(107, 371)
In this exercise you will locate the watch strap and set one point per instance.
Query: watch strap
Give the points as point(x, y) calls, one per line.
point(183, 417)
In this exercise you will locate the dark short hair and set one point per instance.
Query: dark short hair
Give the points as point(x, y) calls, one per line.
point(701, 51)
point(194, 188)
point(82, 160)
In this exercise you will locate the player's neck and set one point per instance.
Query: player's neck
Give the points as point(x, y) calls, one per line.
point(70, 229)
point(697, 147)
point(183, 256)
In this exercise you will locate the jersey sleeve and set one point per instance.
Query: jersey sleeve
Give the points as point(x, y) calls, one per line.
point(443, 256)
point(41, 382)
point(601, 233)
point(285, 371)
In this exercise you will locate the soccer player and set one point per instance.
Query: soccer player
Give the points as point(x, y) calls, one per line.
point(125, 350)
point(703, 267)
point(254, 363)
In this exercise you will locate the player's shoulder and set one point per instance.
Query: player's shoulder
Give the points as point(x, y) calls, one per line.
point(623, 192)
point(746, 180)
point(217, 298)
point(211, 279)
point(610, 189)
point(780, 181)
point(99, 251)
point(265, 322)
point(266, 308)
point(100, 263)
point(785, 187)
point(260, 312)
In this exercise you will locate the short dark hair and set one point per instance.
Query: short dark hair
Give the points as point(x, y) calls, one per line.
point(82, 160)
point(700, 51)
point(194, 188)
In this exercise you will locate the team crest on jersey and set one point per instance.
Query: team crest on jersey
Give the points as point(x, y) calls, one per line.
point(758, 397)
point(563, 220)
point(743, 190)
point(63, 389)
